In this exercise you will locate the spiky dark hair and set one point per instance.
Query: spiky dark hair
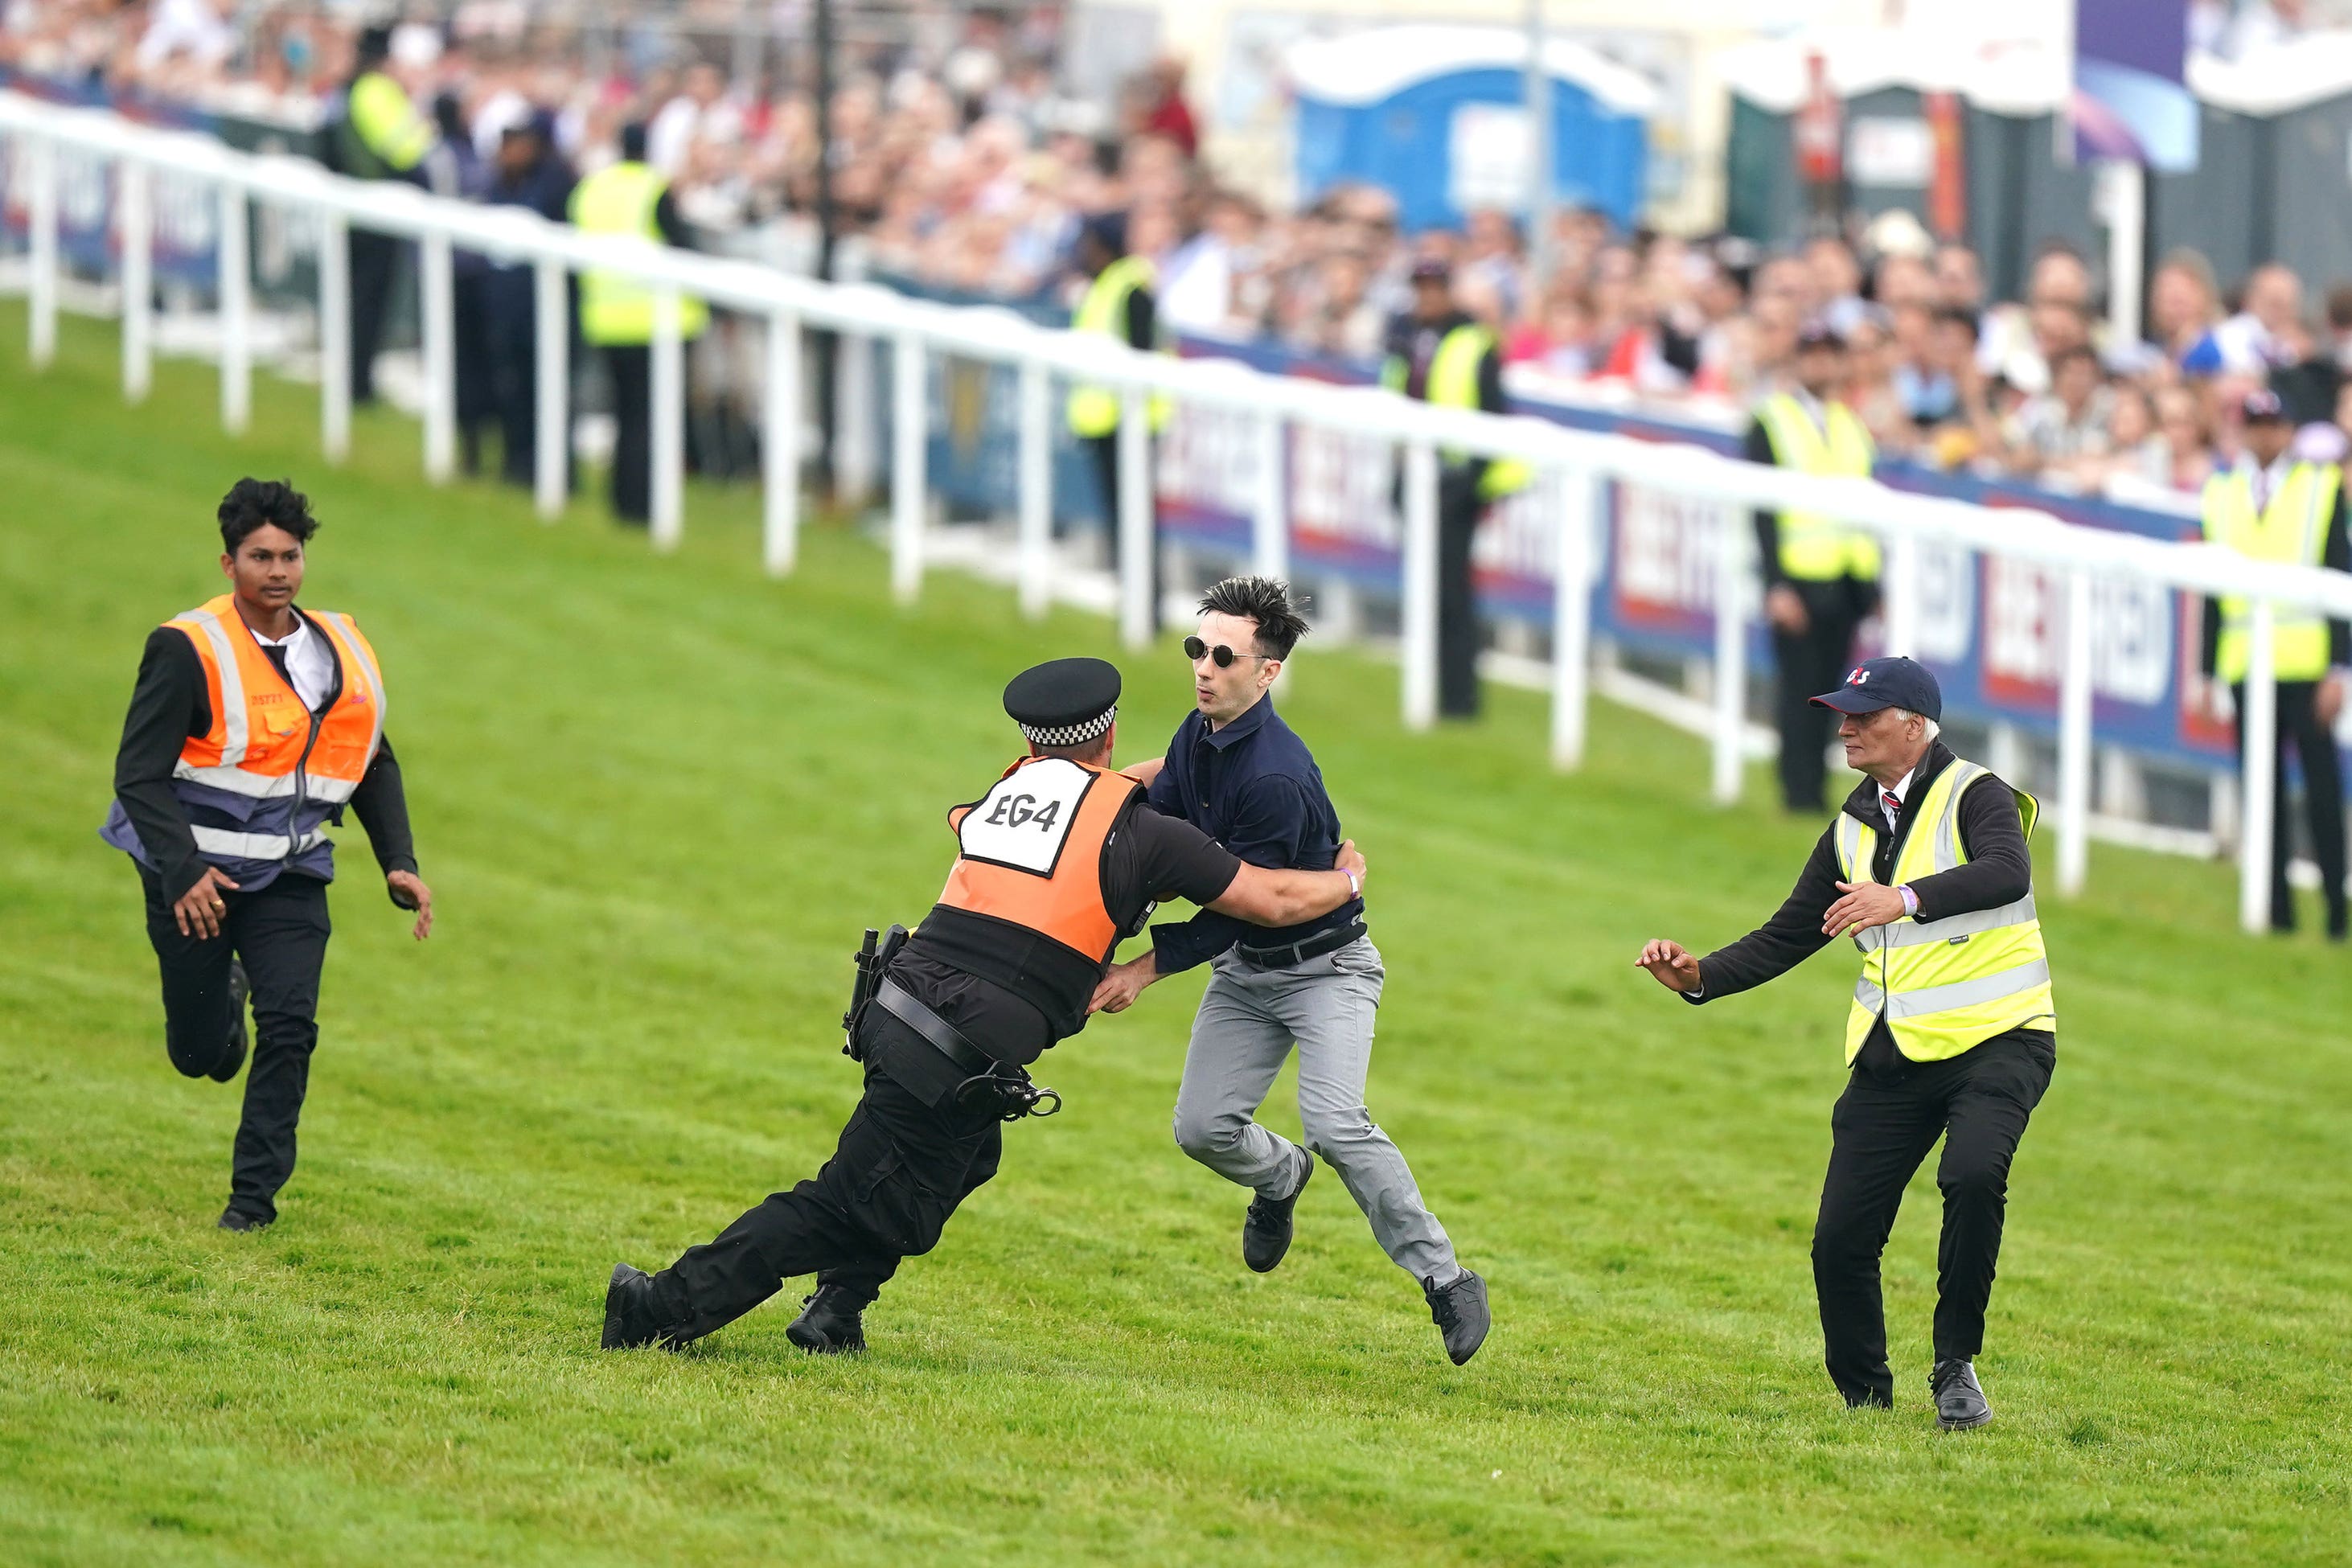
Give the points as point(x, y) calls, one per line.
point(259, 503)
point(1265, 600)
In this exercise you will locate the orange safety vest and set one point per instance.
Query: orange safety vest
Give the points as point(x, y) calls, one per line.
point(1033, 849)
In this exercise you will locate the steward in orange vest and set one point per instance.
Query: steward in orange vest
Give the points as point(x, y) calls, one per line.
point(1057, 862)
point(254, 726)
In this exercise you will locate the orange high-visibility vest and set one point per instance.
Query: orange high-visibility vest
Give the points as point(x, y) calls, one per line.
point(1032, 849)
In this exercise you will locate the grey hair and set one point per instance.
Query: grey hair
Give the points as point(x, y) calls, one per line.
point(1934, 729)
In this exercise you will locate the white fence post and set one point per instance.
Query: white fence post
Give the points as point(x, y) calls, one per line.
point(437, 303)
point(551, 424)
point(41, 308)
point(335, 336)
point(1901, 607)
point(667, 385)
point(2075, 739)
point(1419, 618)
point(909, 412)
point(1270, 509)
point(1035, 549)
point(1730, 727)
point(1138, 533)
point(2258, 781)
point(234, 278)
point(1570, 491)
point(780, 447)
point(136, 188)
point(854, 418)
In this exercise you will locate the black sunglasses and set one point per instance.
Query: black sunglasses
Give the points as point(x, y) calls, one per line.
point(1223, 657)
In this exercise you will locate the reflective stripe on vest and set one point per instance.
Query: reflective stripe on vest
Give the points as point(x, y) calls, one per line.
point(1032, 852)
point(615, 310)
point(1945, 985)
point(1093, 410)
point(1452, 382)
point(2291, 530)
point(1814, 548)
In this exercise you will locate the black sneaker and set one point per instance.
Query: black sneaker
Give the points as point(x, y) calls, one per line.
point(831, 1323)
point(1460, 1312)
point(1265, 1229)
point(236, 1218)
point(1959, 1403)
point(234, 1057)
point(630, 1317)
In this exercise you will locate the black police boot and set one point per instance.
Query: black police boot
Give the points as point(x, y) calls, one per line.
point(631, 1317)
point(1265, 1229)
point(234, 1057)
point(1460, 1312)
point(831, 1323)
point(1959, 1403)
point(236, 1218)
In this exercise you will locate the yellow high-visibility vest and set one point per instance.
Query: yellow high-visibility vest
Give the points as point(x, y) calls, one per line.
point(1947, 985)
point(615, 310)
point(384, 135)
point(2292, 529)
point(1814, 548)
point(1454, 383)
point(1093, 410)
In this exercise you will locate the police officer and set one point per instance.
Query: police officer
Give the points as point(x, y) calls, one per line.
point(1821, 576)
point(617, 312)
point(254, 724)
point(381, 136)
point(2275, 506)
point(1952, 1029)
point(1438, 355)
point(1118, 302)
point(1057, 861)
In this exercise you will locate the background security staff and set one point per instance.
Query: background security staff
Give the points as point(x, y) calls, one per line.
point(1438, 355)
point(381, 136)
point(253, 725)
point(1821, 577)
point(1118, 302)
point(1952, 1029)
point(617, 312)
point(1057, 861)
point(2276, 507)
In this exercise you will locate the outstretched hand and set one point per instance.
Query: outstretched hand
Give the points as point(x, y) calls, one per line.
point(1669, 965)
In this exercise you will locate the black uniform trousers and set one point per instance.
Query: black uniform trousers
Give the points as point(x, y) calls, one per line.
point(899, 1170)
point(2323, 795)
point(1807, 664)
point(280, 932)
point(630, 368)
point(1459, 506)
point(1883, 1126)
point(375, 258)
point(1104, 450)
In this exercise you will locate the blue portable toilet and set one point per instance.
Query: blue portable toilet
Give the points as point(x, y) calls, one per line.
point(1437, 116)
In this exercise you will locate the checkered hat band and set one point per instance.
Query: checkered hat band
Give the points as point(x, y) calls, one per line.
point(1070, 734)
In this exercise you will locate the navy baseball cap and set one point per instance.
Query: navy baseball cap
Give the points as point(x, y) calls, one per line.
point(1876, 683)
point(2260, 405)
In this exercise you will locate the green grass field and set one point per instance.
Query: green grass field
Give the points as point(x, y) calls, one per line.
point(657, 798)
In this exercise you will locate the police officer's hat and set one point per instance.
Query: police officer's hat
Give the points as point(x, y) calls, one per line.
point(1064, 701)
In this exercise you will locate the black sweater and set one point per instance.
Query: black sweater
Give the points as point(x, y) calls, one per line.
point(168, 706)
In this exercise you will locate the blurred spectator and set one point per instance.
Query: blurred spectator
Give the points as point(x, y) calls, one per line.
point(2253, 339)
point(2055, 430)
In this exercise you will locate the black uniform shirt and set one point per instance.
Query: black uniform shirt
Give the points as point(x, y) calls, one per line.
point(1147, 859)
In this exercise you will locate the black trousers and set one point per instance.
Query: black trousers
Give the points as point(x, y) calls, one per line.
point(630, 366)
point(1883, 1126)
point(901, 1170)
point(2323, 797)
point(1459, 507)
point(376, 258)
point(1807, 664)
point(510, 326)
point(1104, 450)
point(280, 932)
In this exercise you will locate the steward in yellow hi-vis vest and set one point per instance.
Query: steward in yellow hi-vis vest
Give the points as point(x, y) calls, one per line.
point(2274, 506)
point(254, 726)
point(1057, 861)
point(1118, 302)
point(379, 135)
point(1952, 1032)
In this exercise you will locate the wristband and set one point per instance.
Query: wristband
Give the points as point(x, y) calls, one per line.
point(1910, 900)
point(1355, 883)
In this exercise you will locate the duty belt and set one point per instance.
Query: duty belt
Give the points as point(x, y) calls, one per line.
point(1300, 951)
point(985, 1077)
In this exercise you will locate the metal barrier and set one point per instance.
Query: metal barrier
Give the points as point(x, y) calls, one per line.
point(1571, 461)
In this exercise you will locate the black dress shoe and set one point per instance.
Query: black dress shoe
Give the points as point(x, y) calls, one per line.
point(236, 1218)
point(1265, 1229)
point(234, 1057)
point(831, 1323)
point(631, 1317)
point(1959, 1403)
point(1460, 1312)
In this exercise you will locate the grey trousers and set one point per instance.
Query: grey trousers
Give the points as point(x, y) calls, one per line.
point(1249, 1018)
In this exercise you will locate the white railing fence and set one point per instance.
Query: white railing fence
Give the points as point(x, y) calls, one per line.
point(1574, 463)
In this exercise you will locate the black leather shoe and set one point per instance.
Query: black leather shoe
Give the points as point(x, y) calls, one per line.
point(236, 1218)
point(831, 1323)
point(1959, 1403)
point(630, 1317)
point(234, 1057)
point(1461, 1314)
point(1265, 1229)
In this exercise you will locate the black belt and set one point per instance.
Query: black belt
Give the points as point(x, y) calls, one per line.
point(1300, 951)
point(910, 1010)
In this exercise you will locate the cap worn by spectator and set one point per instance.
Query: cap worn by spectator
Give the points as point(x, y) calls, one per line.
point(1889, 682)
point(1432, 269)
point(2262, 405)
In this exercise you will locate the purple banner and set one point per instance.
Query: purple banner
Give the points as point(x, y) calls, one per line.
point(2130, 101)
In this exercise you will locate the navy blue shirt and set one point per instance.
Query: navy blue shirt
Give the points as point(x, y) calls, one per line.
point(1254, 787)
